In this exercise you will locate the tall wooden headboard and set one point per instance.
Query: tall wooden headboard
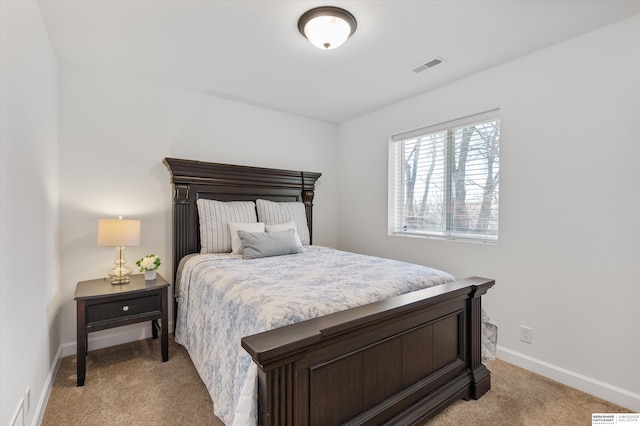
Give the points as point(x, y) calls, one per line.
point(227, 182)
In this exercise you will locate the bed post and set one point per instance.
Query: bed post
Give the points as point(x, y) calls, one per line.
point(180, 240)
point(307, 199)
point(180, 219)
point(308, 181)
point(480, 375)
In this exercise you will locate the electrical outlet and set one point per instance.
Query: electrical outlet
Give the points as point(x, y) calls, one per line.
point(526, 334)
point(27, 400)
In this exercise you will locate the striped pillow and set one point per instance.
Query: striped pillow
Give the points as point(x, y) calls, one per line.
point(272, 213)
point(214, 219)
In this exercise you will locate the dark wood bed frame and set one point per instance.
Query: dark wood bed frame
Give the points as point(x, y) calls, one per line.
point(399, 361)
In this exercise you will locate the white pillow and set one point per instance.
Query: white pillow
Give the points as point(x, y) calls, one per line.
point(236, 243)
point(215, 215)
point(272, 213)
point(283, 227)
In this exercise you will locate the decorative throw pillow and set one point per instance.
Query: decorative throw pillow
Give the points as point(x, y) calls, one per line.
point(214, 218)
point(236, 243)
point(283, 227)
point(262, 244)
point(272, 213)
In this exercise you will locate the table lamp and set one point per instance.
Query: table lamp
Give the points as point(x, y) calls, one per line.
point(119, 233)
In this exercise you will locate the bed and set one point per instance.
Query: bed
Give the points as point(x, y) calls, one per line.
point(399, 359)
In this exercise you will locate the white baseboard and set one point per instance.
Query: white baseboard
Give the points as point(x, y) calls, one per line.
point(575, 380)
point(46, 391)
point(112, 337)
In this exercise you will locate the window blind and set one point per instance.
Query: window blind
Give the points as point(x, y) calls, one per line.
point(443, 179)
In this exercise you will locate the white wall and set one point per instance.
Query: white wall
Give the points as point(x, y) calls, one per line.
point(114, 133)
point(568, 256)
point(29, 276)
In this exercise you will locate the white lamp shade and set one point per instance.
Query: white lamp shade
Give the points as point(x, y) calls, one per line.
point(327, 32)
point(118, 232)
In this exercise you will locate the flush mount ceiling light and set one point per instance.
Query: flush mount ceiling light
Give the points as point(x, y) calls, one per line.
point(327, 27)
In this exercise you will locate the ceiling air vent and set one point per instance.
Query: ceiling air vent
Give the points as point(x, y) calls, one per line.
point(429, 64)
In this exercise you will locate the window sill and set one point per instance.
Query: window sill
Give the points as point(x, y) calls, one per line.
point(455, 238)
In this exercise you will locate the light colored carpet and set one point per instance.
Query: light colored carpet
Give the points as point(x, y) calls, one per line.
point(130, 385)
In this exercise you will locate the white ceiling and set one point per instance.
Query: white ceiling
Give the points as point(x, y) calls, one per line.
point(251, 51)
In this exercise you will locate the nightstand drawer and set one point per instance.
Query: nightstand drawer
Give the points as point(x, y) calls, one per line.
point(122, 309)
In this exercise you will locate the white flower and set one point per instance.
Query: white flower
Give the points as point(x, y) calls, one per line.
point(149, 263)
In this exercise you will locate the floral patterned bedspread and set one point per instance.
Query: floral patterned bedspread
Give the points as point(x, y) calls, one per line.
point(222, 298)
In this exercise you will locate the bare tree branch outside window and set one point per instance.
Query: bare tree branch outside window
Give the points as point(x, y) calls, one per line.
point(451, 182)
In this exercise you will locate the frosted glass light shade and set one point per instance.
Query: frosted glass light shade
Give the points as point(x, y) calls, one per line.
point(327, 32)
point(327, 27)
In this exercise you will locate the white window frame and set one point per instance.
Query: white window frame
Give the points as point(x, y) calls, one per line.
point(397, 185)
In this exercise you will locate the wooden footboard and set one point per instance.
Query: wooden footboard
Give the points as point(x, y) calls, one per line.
point(399, 361)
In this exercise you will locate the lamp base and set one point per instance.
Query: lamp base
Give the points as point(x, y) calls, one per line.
point(119, 280)
point(120, 273)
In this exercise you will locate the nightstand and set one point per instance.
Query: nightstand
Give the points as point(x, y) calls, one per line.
point(101, 305)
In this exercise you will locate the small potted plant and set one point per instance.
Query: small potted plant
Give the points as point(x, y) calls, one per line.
point(148, 265)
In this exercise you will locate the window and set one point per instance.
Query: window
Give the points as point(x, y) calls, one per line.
point(443, 180)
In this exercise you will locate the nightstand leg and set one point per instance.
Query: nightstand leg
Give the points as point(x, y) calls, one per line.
point(164, 340)
point(81, 342)
point(154, 329)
